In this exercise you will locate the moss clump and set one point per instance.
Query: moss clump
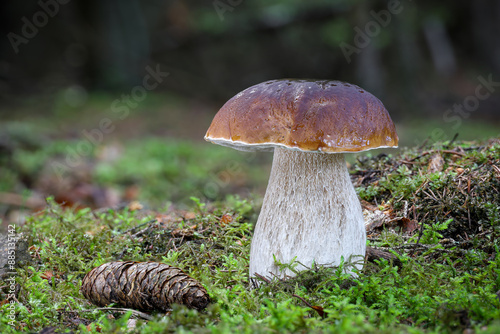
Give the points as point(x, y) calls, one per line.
point(465, 187)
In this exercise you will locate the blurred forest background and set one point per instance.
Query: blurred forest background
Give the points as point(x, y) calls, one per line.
point(422, 59)
point(67, 65)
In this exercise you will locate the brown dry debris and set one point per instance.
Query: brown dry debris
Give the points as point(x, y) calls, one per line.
point(183, 232)
point(435, 164)
point(376, 220)
point(145, 286)
point(226, 219)
point(432, 185)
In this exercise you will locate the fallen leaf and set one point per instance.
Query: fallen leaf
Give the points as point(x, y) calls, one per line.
point(374, 219)
point(408, 225)
point(435, 164)
point(368, 206)
point(47, 275)
point(135, 206)
point(165, 219)
point(186, 233)
point(320, 310)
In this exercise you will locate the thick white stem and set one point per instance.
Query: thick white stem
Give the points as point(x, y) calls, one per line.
point(310, 211)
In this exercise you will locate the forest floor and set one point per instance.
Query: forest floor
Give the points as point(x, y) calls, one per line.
point(81, 188)
point(435, 207)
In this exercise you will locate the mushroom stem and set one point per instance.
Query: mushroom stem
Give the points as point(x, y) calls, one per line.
point(310, 211)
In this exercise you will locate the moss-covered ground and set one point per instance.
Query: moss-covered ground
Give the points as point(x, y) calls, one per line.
point(436, 207)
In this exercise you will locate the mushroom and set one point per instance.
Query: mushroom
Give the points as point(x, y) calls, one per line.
point(310, 213)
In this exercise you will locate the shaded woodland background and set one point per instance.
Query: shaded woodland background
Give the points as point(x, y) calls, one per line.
point(428, 57)
point(61, 83)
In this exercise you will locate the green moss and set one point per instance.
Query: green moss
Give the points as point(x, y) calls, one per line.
point(442, 285)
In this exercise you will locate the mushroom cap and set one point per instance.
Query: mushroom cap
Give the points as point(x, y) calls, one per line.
point(306, 115)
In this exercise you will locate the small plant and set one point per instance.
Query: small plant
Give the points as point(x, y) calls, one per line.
point(291, 266)
point(199, 205)
point(430, 233)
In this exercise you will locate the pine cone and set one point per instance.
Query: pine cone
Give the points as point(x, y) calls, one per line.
point(145, 286)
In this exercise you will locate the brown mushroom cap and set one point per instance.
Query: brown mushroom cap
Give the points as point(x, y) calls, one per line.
point(306, 115)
